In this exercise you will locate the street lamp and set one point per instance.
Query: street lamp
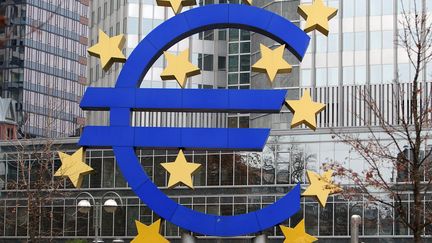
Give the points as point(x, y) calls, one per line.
point(110, 206)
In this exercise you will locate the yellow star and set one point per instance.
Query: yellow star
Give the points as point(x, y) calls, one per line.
point(248, 2)
point(272, 62)
point(149, 233)
point(321, 186)
point(305, 111)
point(317, 16)
point(73, 166)
point(180, 171)
point(297, 234)
point(179, 68)
point(176, 5)
point(108, 49)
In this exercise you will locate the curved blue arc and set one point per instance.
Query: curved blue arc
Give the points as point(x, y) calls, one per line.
point(205, 18)
point(206, 224)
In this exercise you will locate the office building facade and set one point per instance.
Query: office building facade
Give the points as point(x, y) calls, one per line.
point(43, 64)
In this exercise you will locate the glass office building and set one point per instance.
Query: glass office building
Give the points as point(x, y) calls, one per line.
point(43, 63)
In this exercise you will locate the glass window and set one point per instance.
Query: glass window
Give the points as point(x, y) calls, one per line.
point(333, 39)
point(222, 35)
point(375, 7)
point(208, 62)
point(360, 75)
point(233, 48)
point(227, 167)
point(306, 80)
point(244, 78)
point(245, 63)
point(244, 122)
point(375, 73)
point(321, 76)
point(348, 75)
point(221, 63)
point(232, 122)
point(244, 35)
point(387, 73)
point(333, 76)
point(341, 216)
point(241, 162)
point(387, 8)
point(348, 41)
point(388, 41)
point(403, 72)
point(245, 47)
point(326, 220)
point(360, 7)
point(209, 35)
point(213, 169)
point(233, 34)
point(360, 41)
point(233, 78)
point(370, 220)
point(375, 40)
point(348, 8)
point(233, 62)
point(132, 25)
point(321, 43)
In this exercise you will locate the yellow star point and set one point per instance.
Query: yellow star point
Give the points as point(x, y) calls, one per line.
point(176, 5)
point(179, 68)
point(321, 187)
point(272, 62)
point(305, 111)
point(73, 167)
point(180, 171)
point(149, 233)
point(108, 49)
point(317, 16)
point(248, 2)
point(297, 234)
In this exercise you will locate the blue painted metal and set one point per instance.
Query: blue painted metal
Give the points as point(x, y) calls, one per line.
point(127, 97)
point(172, 137)
point(205, 224)
point(213, 100)
point(205, 18)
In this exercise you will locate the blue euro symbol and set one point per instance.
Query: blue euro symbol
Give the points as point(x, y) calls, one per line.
point(127, 97)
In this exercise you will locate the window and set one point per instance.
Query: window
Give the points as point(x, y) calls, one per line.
point(112, 7)
point(233, 48)
point(221, 63)
point(208, 62)
point(132, 25)
point(99, 14)
point(360, 42)
point(233, 62)
point(375, 40)
point(375, 7)
point(360, 75)
point(205, 62)
point(222, 35)
point(105, 9)
point(375, 73)
point(245, 63)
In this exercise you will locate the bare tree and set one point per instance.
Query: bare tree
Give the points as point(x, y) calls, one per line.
point(398, 141)
point(36, 189)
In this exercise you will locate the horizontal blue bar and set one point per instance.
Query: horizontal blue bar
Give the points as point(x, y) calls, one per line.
point(170, 137)
point(208, 100)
